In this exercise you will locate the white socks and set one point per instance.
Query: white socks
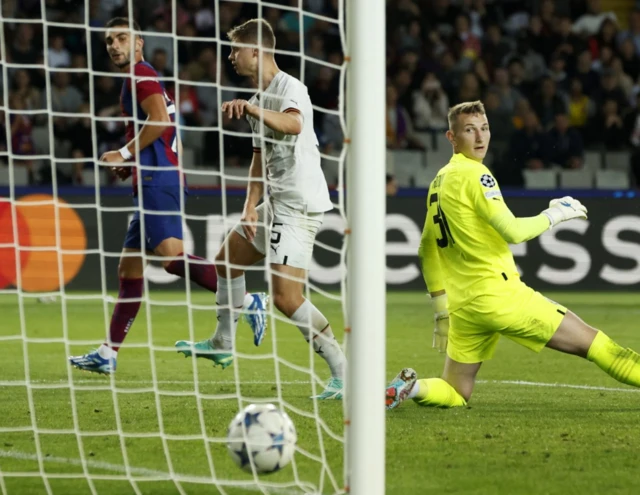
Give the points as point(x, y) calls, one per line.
point(248, 300)
point(414, 390)
point(228, 311)
point(314, 326)
point(106, 352)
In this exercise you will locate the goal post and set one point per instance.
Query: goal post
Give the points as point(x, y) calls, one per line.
point(366, 260)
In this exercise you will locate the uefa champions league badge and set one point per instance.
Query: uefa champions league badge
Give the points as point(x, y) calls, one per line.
point(487, 181)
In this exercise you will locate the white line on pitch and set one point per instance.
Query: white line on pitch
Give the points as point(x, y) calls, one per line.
point(137, 471)
point(560, 385)
point(300, 382)
point(106, 381)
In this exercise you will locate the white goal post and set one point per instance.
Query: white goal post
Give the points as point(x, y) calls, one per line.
point(366, 259)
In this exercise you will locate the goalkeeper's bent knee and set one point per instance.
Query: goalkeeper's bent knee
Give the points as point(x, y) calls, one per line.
point(435, 392)
point(618, 362)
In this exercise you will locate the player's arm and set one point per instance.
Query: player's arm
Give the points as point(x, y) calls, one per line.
point(158, 120)
point(434, 279)
point(490, 206)
point(255, 191)
point(289, 121)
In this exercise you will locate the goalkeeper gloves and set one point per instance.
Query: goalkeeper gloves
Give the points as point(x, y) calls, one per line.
point(441, 322)
point(563, 209)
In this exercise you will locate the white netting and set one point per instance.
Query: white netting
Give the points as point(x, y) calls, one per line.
point(159, 424)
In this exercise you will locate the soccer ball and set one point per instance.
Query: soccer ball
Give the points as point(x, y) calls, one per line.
point(263, 435)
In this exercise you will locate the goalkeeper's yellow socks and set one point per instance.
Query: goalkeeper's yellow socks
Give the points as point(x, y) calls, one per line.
point(619, 363)
point(435, 392)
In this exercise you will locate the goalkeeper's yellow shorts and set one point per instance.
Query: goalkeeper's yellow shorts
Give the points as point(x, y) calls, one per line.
point(514, 310)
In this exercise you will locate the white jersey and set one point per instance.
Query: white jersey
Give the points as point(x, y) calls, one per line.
point(294, 176)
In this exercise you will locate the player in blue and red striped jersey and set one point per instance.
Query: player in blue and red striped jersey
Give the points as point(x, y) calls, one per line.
point(152, 143)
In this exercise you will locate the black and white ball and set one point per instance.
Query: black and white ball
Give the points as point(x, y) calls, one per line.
point(263, 435)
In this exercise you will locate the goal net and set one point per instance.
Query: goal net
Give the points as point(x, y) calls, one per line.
point(158, 425)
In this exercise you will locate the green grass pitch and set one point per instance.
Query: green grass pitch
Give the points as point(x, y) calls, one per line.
point(527, 430)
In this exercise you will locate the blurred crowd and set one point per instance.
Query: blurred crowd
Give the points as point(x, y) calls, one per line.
point(193, 68)
point(556, 76)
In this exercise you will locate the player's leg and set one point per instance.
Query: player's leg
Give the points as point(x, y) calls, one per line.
point(201, 271)
point(235, 254)
point(473, 339)
point(287, 292)
point(163, 236)
point(230, 299)
point(576, 337)
point(130, 274)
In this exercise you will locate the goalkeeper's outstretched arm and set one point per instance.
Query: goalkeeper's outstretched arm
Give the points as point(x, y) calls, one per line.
point(515, 230)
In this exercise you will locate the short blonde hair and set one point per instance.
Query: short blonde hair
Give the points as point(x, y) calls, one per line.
point(466, 108)
point(248, 33)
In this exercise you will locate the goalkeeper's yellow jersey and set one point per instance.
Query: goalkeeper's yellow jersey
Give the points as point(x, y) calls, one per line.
point(464, 247)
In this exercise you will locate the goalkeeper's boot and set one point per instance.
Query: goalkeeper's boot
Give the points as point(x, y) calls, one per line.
point(204, 349)
point(256, 316)
point(399, 389)
point(333, 390)
point(92, 361)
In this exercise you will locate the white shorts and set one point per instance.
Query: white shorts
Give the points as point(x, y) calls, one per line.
point(290, 234)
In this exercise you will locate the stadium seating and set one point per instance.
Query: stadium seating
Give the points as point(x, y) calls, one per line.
point(540, 179)
point(612, 179)
point(576, 179)
point(617, 160)
point(20, 175)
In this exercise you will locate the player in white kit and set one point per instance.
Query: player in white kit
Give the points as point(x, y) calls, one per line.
point(285, 225)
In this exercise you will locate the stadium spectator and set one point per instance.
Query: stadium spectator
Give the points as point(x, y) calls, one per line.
point(623, 80)
point(24, 49)
point(633, 33)
point(430, 105)
point(58, 55)
point(589, 23)
point(501, 123)
point(630, 59)
point(507, 94)
point(82, 144)
point(470, 89)
point(557, 72)
point(606, 38)
point(400, 134)
point(567, 43)
point(584, 71)
point(495, 47)
point(23, 88)
point(162, 26)
point(610, 90)
point(533, 62)
point(580, 109)
point(526, 151)
point(518, 79)
point(188, 101)
point(21, 135)
point(564, 146)
point(548, 102)
point(611, 127)
point(159, 60)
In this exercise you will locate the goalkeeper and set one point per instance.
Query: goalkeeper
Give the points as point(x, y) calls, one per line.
point(475, 287)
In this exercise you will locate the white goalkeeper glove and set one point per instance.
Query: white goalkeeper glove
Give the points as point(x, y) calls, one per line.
point(563, 209)
point(441, 322)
